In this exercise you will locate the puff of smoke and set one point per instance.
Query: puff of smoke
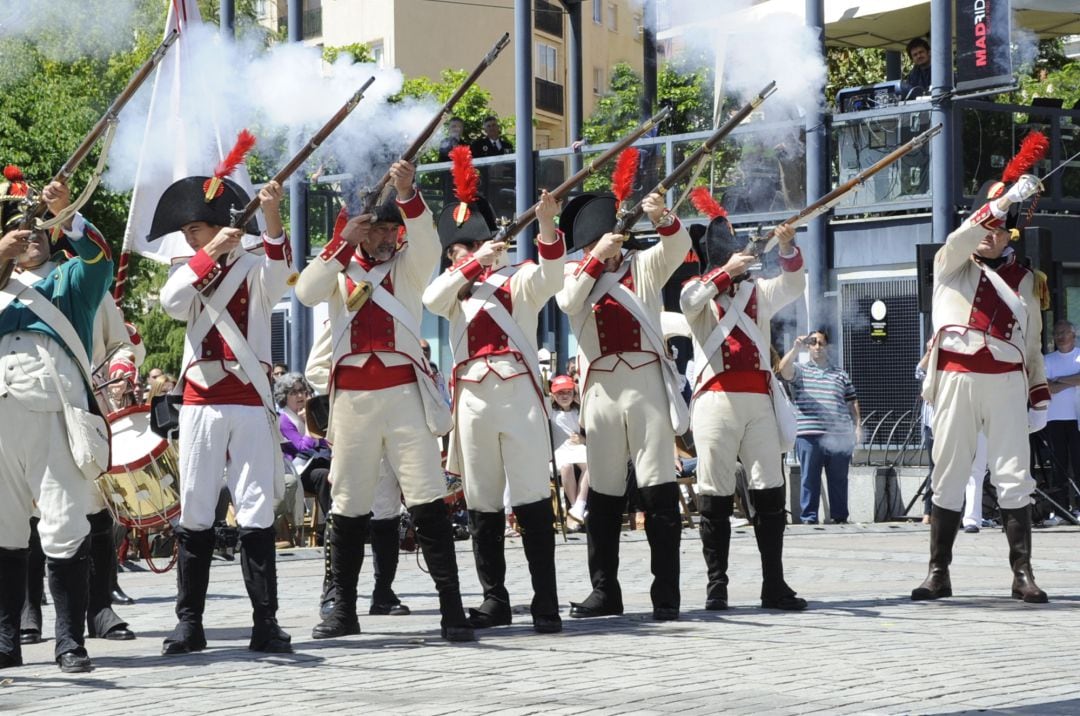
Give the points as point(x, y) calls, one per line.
point(65, 30)
point(1023, 47)
point(283, 94)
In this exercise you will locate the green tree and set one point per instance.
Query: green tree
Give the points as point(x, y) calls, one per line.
point(359, 51)
point(473, 106)
point(853, 67)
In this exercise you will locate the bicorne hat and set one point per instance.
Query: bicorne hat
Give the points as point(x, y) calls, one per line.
point(470, 219)
point(715, 242)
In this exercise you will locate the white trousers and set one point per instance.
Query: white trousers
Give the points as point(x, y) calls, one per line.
point(504, 441)
point(387, 502)
point(731, 427)
point(370, 425)
point(35, 463)
point(625, 414)
point(228, 445)
point(967, 404)
point(974, 490)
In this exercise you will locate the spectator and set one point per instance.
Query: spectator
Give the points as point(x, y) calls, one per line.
point(1063, 375)
point(569, 442)
point(280, 369)
point(918, 80)
point(828, 414)
point(309, 456)
point(161, 385)
point(491, 143)
point(455, 129)
point(440, 382)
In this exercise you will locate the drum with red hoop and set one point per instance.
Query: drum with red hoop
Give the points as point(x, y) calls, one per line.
point(142, 486)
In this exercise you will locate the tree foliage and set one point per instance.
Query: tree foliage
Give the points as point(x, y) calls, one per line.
point(852, 67)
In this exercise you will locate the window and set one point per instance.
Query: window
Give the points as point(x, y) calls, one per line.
point(598, 84)
point(598, 11)
point(613, 17)
point(377, 53)
point(547, 62)
point(639, 29)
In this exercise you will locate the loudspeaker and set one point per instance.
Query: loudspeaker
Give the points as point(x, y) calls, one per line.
point(924, 267)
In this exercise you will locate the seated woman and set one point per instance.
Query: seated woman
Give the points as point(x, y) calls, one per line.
point(569, 443)
point(161, 385)
point(310, 456)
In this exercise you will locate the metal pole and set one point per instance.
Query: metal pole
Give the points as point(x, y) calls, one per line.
point(817, 184)
point(942, 170)
point(524, 173)
point(648, 48)
point(227, 18)
point(575, 116)
point(300, 315)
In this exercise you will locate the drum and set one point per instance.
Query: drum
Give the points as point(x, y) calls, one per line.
point(141, 487)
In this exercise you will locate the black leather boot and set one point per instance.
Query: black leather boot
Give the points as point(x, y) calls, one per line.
point(326, 600)
point(1018, 532)
point(537, 521)
point(196, 549)
point(663, 528)
point(346, 543)
point(716, 513)
point(385, 541)
point(487, 530)
point(435, 535)
point(943, 526)
point(12, 595)
point(30, 632)
point(68, 580)
point(770, 521)
point(101, 620)
point(258, 562)
point(602, 531)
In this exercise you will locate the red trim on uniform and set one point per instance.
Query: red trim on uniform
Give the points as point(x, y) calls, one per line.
point(1039, 395)
point(275, 251)
point(739, 381)
point(592, 266)
point(719, 278)
point(202, 264)
point(982, 361)
point(230, 390)
point(338, 249)
point(792, 263)
point(91, 232)
point(414, 207)
point(373, 375)
point(985, 216)
point(470, 268)
point(554, 250)
point(670, 230)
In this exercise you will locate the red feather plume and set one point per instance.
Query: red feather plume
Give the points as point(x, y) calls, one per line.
point(622, 179)
point(13, 173)
point(1032, 151)
point(466, 178)
point(244, 142)
point(703, 201)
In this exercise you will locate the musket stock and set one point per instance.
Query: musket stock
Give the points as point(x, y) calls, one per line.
point(631, 216)
point(38, 209)
point(763, 244)
point(375, 194)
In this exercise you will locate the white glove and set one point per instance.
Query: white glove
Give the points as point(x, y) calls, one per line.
point(1024, 188)
point(1036, 420)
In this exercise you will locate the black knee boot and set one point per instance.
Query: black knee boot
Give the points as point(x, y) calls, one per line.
point(101, 620)
point(537, 522)
point(258, 562)
point(326, 600)
point(716, 545)
point(1018, 532)
point(770, 521)
point(192, 581)
point(68, 583)
point(346, 544)
point(488, 535)
point(943, 526)
point(602, 530)
point(30, 632)
point(663, 528)
point(12, 595)
point(435, 535)
point(385, 541)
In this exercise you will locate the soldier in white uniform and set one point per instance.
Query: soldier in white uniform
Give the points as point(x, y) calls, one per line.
point(383, 400)
point(228, 425)
point(631, 404)
point(732, 413)
point(985, 375)
point(501, 434)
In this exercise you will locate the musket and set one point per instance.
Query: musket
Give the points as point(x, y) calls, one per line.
point(760, 245)
point(240, 217)
point(38, 209)
point(631, 216)
point(524, 219)
point(373, 196)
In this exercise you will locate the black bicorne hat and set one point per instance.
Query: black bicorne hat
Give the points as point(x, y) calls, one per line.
point(715, 243)
point(993, 189)
point(461, 223)
point(586, 218)
point(185, 202)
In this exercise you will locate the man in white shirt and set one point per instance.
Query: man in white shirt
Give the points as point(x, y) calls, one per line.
point(1063, 377)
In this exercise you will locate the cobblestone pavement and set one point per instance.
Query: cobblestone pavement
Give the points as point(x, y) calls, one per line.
point(862, 647)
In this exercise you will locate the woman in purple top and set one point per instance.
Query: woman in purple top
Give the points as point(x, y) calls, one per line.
point(310, 456)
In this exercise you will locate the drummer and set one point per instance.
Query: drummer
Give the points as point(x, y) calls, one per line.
point(227, 423)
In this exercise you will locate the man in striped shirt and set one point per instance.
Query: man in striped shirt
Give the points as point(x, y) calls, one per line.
point(828, 413)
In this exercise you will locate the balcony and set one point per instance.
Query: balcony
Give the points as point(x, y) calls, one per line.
point(312, 23)
point(549, 96)
point(549, 18)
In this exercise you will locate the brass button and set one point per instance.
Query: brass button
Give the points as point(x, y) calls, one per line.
point(601, 335)
point(390, 344)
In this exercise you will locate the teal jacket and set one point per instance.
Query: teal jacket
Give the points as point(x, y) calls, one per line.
point(76, 287)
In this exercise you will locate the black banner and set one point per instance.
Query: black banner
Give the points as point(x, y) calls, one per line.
point(982, 44)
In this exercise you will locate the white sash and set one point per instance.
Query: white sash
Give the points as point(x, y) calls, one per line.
point(1009, 298)
point(483, 299)
point(53, 316)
